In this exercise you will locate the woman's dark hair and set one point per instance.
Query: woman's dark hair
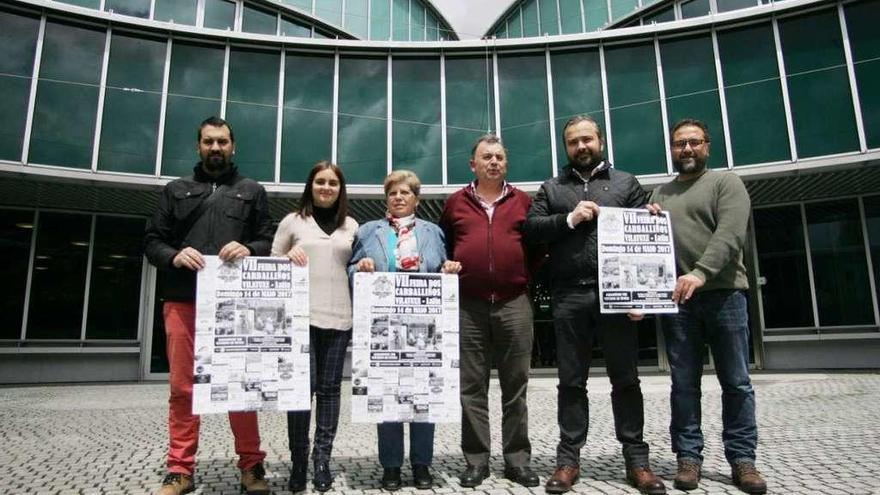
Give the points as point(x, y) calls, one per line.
point(307, 201)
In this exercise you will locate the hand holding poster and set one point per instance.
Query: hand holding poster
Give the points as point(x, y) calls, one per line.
point(636, 261)
point(252, 336)
point(405, 348)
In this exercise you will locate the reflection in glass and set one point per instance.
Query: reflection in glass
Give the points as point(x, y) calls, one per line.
point(254, 20)
point(176, 11)
point(59, 276)
point(219, 14)
point(16, 227)
point(695, 8)
point(872, 220)
point(135, 8)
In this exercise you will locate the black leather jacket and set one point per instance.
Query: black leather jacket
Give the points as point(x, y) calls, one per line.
point(240, 213)
point(573, 252)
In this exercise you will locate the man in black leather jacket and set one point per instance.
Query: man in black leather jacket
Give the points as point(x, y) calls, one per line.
point(215, 211)
point(563, 216)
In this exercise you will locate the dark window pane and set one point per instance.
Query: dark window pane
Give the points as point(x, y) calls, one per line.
point(782, 260)
point(380, 20)
point(93, 4)
point(525, 124)
point(633, 97)
point(115, 286)
point(549, 16)
point(307, 131)
point(433, 29)
point(134, 87)
point(363, 118)
point(136, 8)
point(840, 270)
point(416, 132)
point(596, 13)
point(255, 20)
point(18, 37)
point(694, 8)
point(59, 276)
point(872, 220)
point(219, 14)
point(470, 112)
point(531, 23)
point(400, 20)
point(291, 27)
point(176, 11)
point(728, 5)
point(514, 25)
point(417, 21)
point(570, 15)
point(16, 227)
point(357, 17)
point(252, 109)
point(662, 15)
point(577, 89)
point(864, 37)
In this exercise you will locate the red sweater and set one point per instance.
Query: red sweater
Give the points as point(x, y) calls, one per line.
point(494, 260)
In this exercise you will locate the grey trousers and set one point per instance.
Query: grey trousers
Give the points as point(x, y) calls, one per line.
point(503, 332)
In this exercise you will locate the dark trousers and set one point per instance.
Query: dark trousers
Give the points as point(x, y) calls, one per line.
point(421, 444)
point(578, 324)
point(501, 331)
point(327, 353)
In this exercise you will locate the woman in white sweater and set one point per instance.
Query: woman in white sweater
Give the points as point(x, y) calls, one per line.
point(320, 235)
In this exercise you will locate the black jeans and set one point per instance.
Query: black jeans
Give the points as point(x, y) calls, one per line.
point(578, 325)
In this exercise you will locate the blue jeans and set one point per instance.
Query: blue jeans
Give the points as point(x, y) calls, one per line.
point(421, 444)
point(718, 318)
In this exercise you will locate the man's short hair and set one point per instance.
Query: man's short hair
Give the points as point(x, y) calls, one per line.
point(214, 122)
point(488, 139)
point(577, 119)
point(691, 122)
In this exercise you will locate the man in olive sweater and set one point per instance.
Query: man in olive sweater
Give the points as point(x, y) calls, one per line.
point(710, 213)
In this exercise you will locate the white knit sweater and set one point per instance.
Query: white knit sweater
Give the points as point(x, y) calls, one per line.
point(329, 297)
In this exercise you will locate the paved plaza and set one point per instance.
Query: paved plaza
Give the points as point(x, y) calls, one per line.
point(816, 434)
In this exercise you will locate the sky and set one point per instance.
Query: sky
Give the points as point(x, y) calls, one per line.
point(471, 18)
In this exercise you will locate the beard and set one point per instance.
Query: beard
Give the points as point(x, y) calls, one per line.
point(586, 160)
point(216, 164)
point(690, 165)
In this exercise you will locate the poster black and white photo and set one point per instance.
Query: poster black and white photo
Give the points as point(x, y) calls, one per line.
point(405, 348)
point(252, 336)
point(636, 261)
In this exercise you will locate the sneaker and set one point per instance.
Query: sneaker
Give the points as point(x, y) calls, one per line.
point(253, 480)
point(177, 484)
point(688, 475)
point(747, 478)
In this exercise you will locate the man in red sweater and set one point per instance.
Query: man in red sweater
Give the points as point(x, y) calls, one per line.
point(482, 225)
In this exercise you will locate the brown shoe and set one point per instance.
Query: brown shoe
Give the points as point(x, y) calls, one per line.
point(747, 478)
point(645, 480)
point(253, 480)
point(176, 484)
point(688, 475)
point(563, 478)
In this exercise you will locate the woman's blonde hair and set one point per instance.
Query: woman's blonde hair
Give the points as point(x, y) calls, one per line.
point(403, 176)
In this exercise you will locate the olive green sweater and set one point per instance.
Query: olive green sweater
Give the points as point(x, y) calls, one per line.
point(709, 215)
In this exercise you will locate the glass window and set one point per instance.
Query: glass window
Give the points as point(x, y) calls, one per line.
point(329, 10)
point(525, 126)
point(92, 4)
point(662, 15)
point(67, 96)
point(135, 8)
point(18, 36)
point(623, 8)
point(433, 30)
point(176, 11)
point(751, 80)
point(782, 260)
point(292, 27)
point(357, 17)
point(417, 21)
point(695, 8)
point(59, 277)
point(416, 131)
point(307, 132)
point(872, 220)
point(501, 32)
point(470, 111)
point(728, 5)
point(840, 270)
point(818, 84)
point(194, 89)
point(531, 23)
point(514, 25)
point(570, 15)
point(115, 285)
point(252, 110)
point(400, 20)
point(380, 20)
point(363, 119)
point(256, 20)
point(864, 38)
point(577, 89)
point(303, 5)
point(549, 17)
point(692, 88)
point(134, 87)
point(634, 100)
point(219, 14)
point(596, 13)
point(16, 227)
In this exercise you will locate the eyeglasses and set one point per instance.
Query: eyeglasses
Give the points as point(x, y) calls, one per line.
point(682, 143)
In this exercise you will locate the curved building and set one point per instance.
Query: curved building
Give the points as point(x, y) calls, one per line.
point(101, 101)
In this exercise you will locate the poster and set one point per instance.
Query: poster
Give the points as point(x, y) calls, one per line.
point(405, 348)
point(636, 261)
point(252, 336)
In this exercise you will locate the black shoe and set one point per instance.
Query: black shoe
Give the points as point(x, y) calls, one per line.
point(522, 475)
point(297, 481)
point(422, 478)
point(391, 479)
point(473, 476)
point(323, 479)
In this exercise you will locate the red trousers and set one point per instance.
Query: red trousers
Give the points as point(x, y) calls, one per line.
point(183, 425)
